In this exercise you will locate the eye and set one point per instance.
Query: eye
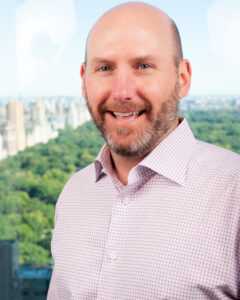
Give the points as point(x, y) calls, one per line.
point(144, 66)
point(104, 69)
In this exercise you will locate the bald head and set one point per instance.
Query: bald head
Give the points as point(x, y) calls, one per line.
point(132, 13)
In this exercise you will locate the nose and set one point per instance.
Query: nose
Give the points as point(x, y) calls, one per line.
point(123, 85)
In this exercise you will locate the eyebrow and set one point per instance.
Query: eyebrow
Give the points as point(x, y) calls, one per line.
point(101, 60)
point(144, 58)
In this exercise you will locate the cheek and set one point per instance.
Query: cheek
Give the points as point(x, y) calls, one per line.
point(97, 92)
point(151, 91)
point(161, 90)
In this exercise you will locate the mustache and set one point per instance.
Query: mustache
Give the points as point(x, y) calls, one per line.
point(124, 106)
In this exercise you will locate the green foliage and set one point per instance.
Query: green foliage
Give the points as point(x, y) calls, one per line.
point(31, 182)
point(6, 230)
point(221, 127)
point(33, 254)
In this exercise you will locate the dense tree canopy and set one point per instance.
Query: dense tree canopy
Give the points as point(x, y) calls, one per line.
point(31, 181)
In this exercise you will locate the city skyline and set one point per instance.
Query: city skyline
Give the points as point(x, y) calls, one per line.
point(25, 124)
point(42, 52)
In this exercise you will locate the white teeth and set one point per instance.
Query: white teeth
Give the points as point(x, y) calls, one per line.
point(125, 114)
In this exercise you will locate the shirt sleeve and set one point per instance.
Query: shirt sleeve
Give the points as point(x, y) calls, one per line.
point(238, 239)
point(52, 295)
point(52, 291)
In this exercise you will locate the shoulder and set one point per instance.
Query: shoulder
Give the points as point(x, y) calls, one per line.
point(217, 158)
point(79, 181)
point(217, 170)
point(85, 175)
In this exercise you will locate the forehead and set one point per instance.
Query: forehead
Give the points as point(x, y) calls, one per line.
point(119, 34)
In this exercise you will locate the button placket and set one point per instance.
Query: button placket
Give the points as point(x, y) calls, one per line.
point(125, 200)
point(113, 256)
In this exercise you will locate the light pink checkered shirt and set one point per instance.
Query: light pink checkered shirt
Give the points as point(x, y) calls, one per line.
point(171, 233)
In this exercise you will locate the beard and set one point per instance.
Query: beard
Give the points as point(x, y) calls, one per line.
point(147, 137)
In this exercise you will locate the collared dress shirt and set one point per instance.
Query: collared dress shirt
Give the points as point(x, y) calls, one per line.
point(172, 233)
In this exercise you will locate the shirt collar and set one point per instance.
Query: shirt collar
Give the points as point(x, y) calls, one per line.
point(169, 159)
point(103, 162)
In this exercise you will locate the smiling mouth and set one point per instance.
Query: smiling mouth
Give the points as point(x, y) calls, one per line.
point(126, 115)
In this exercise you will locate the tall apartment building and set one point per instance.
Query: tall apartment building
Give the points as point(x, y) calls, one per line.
point(21, 282)
point(39, 120)
point(9, 138)
point(3, 152)
point(16, 118)
point(8, 268)
point(72, 119)
point(83, 114)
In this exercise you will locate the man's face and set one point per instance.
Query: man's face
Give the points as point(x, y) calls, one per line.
point(130, 83)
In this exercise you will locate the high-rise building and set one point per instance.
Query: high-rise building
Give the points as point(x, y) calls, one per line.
point(9, 138)
point(72, 119)
point(16, 118)
point(8, 268)
point(83, 114)
point(60, 115)
point(39, 112)
point(40, 120)
point(3, 113)
point(21, 282)
point(3, 152)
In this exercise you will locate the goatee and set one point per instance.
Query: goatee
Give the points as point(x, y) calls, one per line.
point(146, 138)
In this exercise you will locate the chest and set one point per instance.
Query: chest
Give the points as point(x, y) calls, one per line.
point(157, 243)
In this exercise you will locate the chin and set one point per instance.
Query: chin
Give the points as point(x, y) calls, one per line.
point(130, 145)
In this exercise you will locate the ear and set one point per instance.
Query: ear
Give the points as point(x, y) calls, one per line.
point(185, 74)
point(82, 75)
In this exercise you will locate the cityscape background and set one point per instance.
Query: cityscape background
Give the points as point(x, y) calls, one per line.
point(26, 123)
point(31, 121)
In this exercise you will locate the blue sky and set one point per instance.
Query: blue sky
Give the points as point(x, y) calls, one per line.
point(42, 43)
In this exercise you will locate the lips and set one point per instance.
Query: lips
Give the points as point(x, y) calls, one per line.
point(126, 115)
point(120, 114)
point(124, 112)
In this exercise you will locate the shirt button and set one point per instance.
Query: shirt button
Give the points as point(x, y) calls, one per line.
point(125, 200)
point(113, 256)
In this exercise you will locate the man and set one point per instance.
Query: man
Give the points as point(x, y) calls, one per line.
point(157, 214)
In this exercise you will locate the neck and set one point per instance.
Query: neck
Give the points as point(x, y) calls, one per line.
point(123, 165)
